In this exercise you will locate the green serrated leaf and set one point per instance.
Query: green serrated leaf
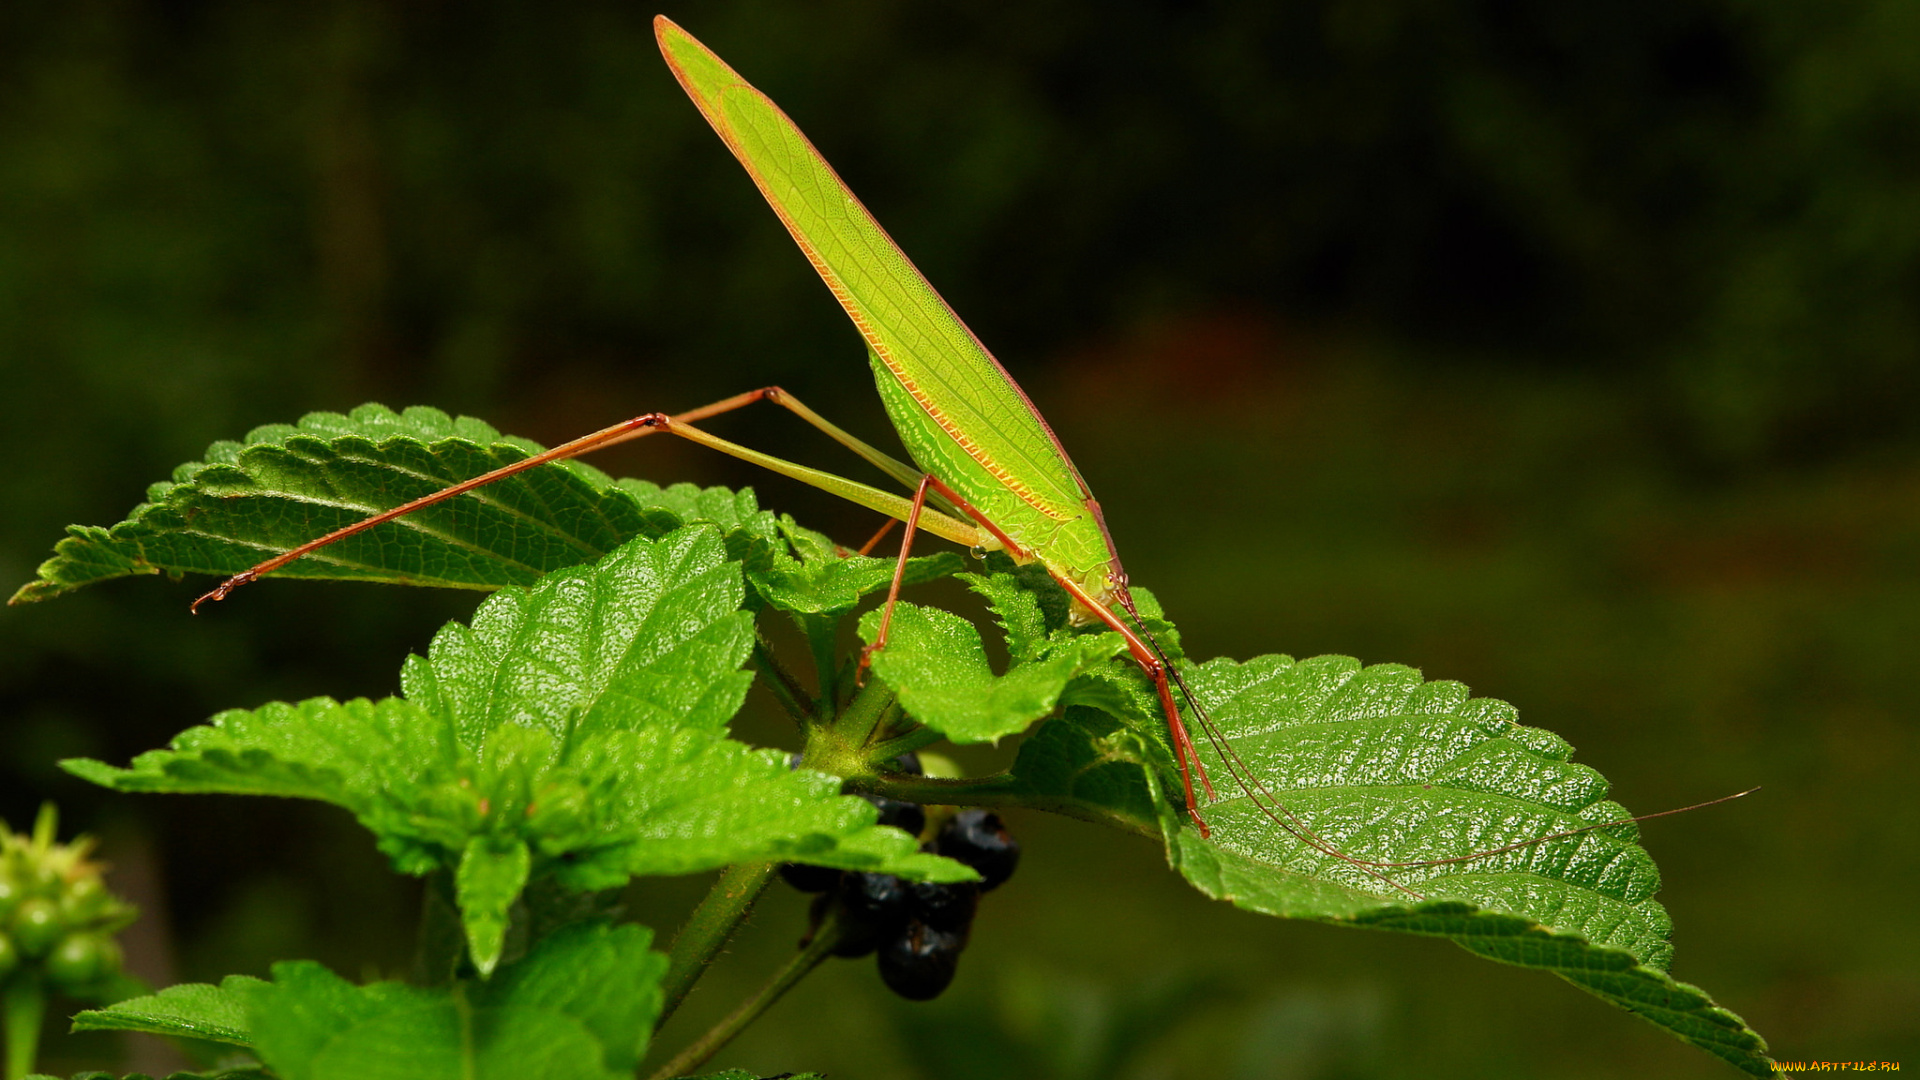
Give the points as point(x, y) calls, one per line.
point(1017, 609)
point(190, 1011)
point(824, 580)
point(651, 636)
point(935, 662)
point(1033, 610)
point(1380, 766)
point(1383, 766)
point(287, 484)
point(579, 1006)
point(582, 721)
point(605, 977)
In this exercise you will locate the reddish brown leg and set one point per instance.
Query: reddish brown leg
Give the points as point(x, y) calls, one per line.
point(1183, 749)
point(899, 570)
point(928, 483)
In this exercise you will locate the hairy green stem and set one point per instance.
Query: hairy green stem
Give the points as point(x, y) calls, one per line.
point(855, 726)
point(25, 1005)
point(707, 930)
point(709, 1044)
point(839, 746)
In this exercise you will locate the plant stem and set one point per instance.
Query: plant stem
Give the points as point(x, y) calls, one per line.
point(25, 1005)
point(855, 726)
point(901, 744)
point(709, 1044)
point(706, 931)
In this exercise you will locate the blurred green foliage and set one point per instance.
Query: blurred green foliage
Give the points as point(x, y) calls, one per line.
point(1567, 350)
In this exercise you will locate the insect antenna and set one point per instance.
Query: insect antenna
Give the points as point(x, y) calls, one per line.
point(1571, 832)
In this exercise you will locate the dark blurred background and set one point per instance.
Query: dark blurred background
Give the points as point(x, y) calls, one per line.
point(1568, 350)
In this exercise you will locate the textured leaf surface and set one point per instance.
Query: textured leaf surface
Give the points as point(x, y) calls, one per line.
point(190, 1010)
point(287, 484)
point(579, 1006)
point(821, 579)
point(583, 721)
point(935, 661)
point(1095, 764)
point(1380, 765)
point(1028, 607)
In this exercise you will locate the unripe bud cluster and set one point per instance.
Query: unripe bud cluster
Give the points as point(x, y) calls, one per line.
point(56, 916)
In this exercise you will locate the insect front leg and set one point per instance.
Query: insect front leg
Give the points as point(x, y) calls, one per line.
point(899, 571)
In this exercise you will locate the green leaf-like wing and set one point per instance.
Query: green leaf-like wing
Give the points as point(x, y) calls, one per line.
point(579, 1006)
point(1383, 767)
point(189, 1010)
point(582, 722)
point(287, 484)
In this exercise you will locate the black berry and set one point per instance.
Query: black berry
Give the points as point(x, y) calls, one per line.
point(920, 963)
point(906, 816)
point(947, 908)
point(874, 899)
point(978, 839)
point(872, 908)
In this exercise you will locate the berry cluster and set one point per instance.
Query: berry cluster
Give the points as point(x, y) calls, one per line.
point(917, 927)
point(57, 918)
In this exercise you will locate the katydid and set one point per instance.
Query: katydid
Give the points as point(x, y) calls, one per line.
point(984, 452)
point(996, 474)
